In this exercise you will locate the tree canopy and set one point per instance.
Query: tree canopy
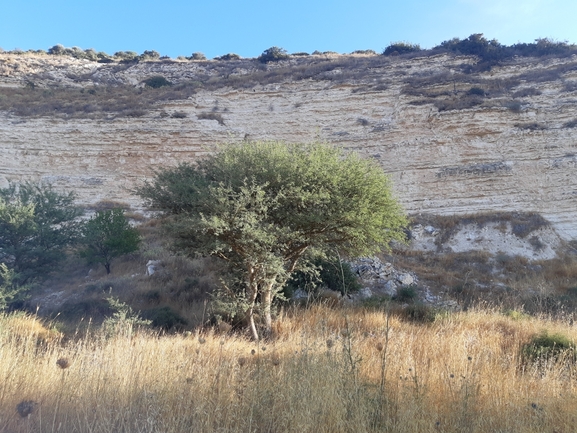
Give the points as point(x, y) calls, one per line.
point(108, 235)
point(37, 224)
point(269, 208)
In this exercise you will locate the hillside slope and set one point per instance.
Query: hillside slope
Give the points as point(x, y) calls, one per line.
point(455, 140)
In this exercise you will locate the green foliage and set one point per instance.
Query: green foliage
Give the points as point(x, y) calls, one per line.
point(165, 318)
point(545, 346)
point(229, 56)
point(126, 56)
point(9, 290)
point(267, 208)
point(108, 235)
point(273, 54)
point(37, 224)
point(476, 45)
point(331, 274)
point(123, 320)
point(157, 82)
point(421, 313)
point(476, 91)
point(148, 55)
point(78, 53)
point(407, 294)
point(398, 48)
point(197, 56)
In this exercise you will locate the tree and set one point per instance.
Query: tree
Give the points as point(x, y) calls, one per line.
point(108, 235)
point(273, 54)
point(270, 208)
point(37, 225)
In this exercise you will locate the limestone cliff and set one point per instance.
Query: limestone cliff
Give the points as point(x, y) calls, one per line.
point(454, 140)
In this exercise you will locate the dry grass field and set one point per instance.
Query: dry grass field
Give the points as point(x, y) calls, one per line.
point(326, 370)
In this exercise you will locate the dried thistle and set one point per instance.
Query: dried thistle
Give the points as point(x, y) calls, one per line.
point(26, 407)
point(63, 363)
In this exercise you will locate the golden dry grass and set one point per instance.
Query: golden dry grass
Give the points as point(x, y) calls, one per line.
point(327, 370)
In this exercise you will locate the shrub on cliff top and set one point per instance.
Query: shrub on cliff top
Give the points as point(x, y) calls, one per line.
point(273, 54)
point(397, 48)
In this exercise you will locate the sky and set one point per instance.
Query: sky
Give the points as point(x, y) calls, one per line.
point(216, 27)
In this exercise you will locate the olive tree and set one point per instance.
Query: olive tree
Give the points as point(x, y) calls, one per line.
point(269, 208)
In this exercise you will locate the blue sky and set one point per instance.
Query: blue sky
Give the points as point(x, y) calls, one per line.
point(216, 27)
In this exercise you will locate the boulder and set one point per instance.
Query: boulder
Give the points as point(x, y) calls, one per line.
point(405, 279)
point(152, 266)
point(390, 288)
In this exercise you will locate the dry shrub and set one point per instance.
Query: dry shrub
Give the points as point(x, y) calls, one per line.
point(212, 116)
point(531, 126)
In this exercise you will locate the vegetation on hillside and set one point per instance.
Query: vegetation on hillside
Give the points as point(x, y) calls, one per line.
point(99, 97)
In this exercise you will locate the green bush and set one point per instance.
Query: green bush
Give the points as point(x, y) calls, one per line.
point(197, 56)
point(229, 56)
point(273, 54)
point(126, 55)
point(406, 294)
point(548, 347)
point(476, 91)
point(330, 274)
point(421, 313)
point(157, 82)
point(398, 48)
point(149, 55)
point(179, 115)
point(165, 318)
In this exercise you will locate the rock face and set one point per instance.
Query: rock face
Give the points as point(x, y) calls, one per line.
point(514, 149)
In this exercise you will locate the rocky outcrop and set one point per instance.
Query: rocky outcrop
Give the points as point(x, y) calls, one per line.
point(513, 149)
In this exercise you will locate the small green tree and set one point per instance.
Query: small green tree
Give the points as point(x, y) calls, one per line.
point(108, 235)
point(37, 225)
point(270, 208)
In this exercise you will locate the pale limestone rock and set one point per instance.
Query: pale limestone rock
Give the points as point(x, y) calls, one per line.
point(441, 162)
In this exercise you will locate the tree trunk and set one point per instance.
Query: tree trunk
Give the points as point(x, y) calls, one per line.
point(253, 291)
point(267, 308)
point(107, 266)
